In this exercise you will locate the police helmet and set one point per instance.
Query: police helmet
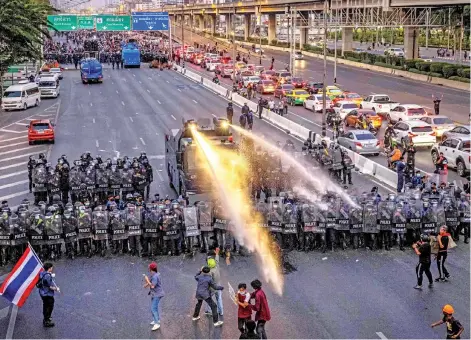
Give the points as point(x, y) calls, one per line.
point(129, 197)
point(64, 157)
point(41, 156)
point(31, 158)
point(52, 208)
point(425, 238)
point(88, 153)
point(56, 197)
point(143, 154)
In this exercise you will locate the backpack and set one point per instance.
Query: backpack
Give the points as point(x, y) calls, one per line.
point(40, 284)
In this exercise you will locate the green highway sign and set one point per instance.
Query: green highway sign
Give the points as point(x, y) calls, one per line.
point(63, 22)
point(86, 23)
point(113, 22)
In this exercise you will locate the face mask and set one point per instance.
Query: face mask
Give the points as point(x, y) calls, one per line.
point(53, 274)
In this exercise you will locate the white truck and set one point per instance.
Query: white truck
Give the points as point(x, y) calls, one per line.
point(380, 103)
point(457, 152)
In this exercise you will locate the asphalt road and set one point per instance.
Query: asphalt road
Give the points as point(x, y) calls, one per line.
point(351, 294)
point(365, 83)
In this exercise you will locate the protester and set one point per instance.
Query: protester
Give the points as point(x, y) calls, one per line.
point(213, 264)
point(203, 293)
point(260, 306)
point(250, 332)
point(156, 293)
point(424, 250)
point(244, 312)
point(454, 329)
point(47, 288)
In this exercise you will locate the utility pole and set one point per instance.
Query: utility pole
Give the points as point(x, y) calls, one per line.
point(324, 78)
point(427, 23)
point(183, 35)
point(259, 21)
point(232, 18)
point(461, 36)
point(335, 46)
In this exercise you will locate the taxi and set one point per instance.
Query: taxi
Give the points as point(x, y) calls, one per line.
point(354, 116)
point(40, 130)
point(296, 97)
point(331, 91)
point(349, 97)
point(239, 65)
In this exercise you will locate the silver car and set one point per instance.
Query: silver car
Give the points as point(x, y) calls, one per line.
point(298, 55)
point(360, 141)
point(456, 132)
point(440, 124)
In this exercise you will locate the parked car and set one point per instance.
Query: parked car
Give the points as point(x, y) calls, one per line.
point(56, 70)
point(360, 141)
point(252, 79)
point(456, 151)
point(343, 108)
point(332, 91)
point(280, 90)
point(298, 82)
point(380, 103)
point(298, 55)
point(353, 116)
point(314, 103)
point(440, 124)
point(456, 132)
point(420, 132)
point(348, 97)
point(314, 87)
point(227, 71)
point(40, 130)
point(267, 74)
point(394, 51)
point(296, 97)
point(406, 112)
point(281, 77)
point(265, 86)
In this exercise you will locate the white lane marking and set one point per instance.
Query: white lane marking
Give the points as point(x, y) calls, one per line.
point(91, 104)
point(4, 311)
point(11, 324)
point(97, 144)
point(149, 78)
point(89, 93)
point(157, 157)
point(148, 90)
point(117, 91)
point(214, 115)
point(381, 335)
point(46, 115)
point(156, 133)
point(194, 101)
point(21, 124)
point(112, 83)
point(167, 81)
point(14, 184)
point(16, 150)
point(160, 176)
point(13, 174)
point(122, 103)
point(158, 101)
point(130, 118)
point(133, 75)
point(10, 139)
point(2, 128)
point(16, 194)
point(29, 119)
point(140, 82)
point(142, 141)
point(173, 117)
point(93, 120)
point(13, 165)
point(179, 90)
point(19, 156)
point(8, 145)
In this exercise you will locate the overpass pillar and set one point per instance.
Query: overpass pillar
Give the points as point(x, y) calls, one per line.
point(303, 37)
point(411, 42)
point(347, 39)
point(247, 19)
point(271, 27)
point(201, 24)
point(212, 23)
point(228, 25)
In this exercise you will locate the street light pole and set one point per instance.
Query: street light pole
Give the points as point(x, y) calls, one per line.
point(335, 47)
point(259, 19)
point(183, 34)
point(324, 97)
point(232, 18)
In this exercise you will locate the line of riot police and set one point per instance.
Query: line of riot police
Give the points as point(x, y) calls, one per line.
point(88, 179)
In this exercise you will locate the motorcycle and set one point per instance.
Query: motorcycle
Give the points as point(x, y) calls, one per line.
point(216, 81)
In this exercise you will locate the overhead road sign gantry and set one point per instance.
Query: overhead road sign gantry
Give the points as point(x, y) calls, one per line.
point(63, 22)
point(113, 22)
point(150, 21)
point(86, 23)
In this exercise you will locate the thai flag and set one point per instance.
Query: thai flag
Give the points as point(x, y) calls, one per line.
point(22, 279)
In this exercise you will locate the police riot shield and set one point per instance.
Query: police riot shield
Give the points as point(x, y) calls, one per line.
point(190, 218)
point(126, 178)
point(115, 179)
point(84, 223)
point(69, 224)
point(90, 180)
point(39, 179)
point(321, 222)
point(36, 228)
point(290, 219)
point(414, 214)
point(440, 213)
point(343, 217)
point(169, 226)
point(331, 215)
point(54, 182)
point(356, 219)
point(20, 226)
point(399, 219)
point(4, 229)
point(100, 223)
point(75, 179)
point(102, 176)
point(275, 215)
point(429, 220)
point(370, 213)
point(221, 217)
point(385, 213)
point(53, 228)
point(118, 225)
point(260, 215)
point(205, 216)
point(133, 220)
point(151, 221)
point(308, 217)
point(140, 180)
point(464, 211)
point(452, 215)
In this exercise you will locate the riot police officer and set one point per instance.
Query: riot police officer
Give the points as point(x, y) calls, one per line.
point(229, 112)
point(31, 166)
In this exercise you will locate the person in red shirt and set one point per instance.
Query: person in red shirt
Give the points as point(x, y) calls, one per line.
point(244, 313)
point(262, 311)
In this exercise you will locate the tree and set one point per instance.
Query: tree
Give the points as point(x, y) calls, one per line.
point(23, 26)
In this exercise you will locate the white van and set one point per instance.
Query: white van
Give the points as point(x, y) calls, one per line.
point(49, 87)
point(21, 96)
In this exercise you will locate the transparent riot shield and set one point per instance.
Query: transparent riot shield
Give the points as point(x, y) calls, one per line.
point(151, 221)
point(118, 225)
point(429, 220)
point(308, 217)
point(331, 215)
point(5, 229)
point(53, 229)
point(84, 221)
point(90, 180)
point(126, 177)
point(464, 211)
point(399, 219)
point(356, 219)
point(70, 225)
point(440, 213)
point(169, 226)
point(54, 183)
point(100, 224)
point(275, 215)
point(452, 215)
point(343, 216)
point(370, 213)
point(36, 228)
point(102, 176)
point(221, 217)
point(321, 223)
point(205, 216)
point(40, 179)
point(190, 218)
point(75, 179)
point(385, 214)
point(133, 220)
point(414, 214)
point(290, 219)
point(260, 218)
point(115, 180)
point(20, 226)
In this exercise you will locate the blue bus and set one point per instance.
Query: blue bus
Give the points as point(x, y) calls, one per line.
point(91, 71)
point(131, 55)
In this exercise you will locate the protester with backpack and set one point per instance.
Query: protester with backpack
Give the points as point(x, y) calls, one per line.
point(47, 287)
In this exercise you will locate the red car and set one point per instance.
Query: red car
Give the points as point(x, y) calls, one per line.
point(281, 90)
point(267, 74)
point(297, 82)
point(40, 130)
point(265, 86)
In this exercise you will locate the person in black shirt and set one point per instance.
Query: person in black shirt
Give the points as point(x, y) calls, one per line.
point(250, 331)
point(442, 239)
point(436, 104)
point(454, 329)
point(424, 250)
